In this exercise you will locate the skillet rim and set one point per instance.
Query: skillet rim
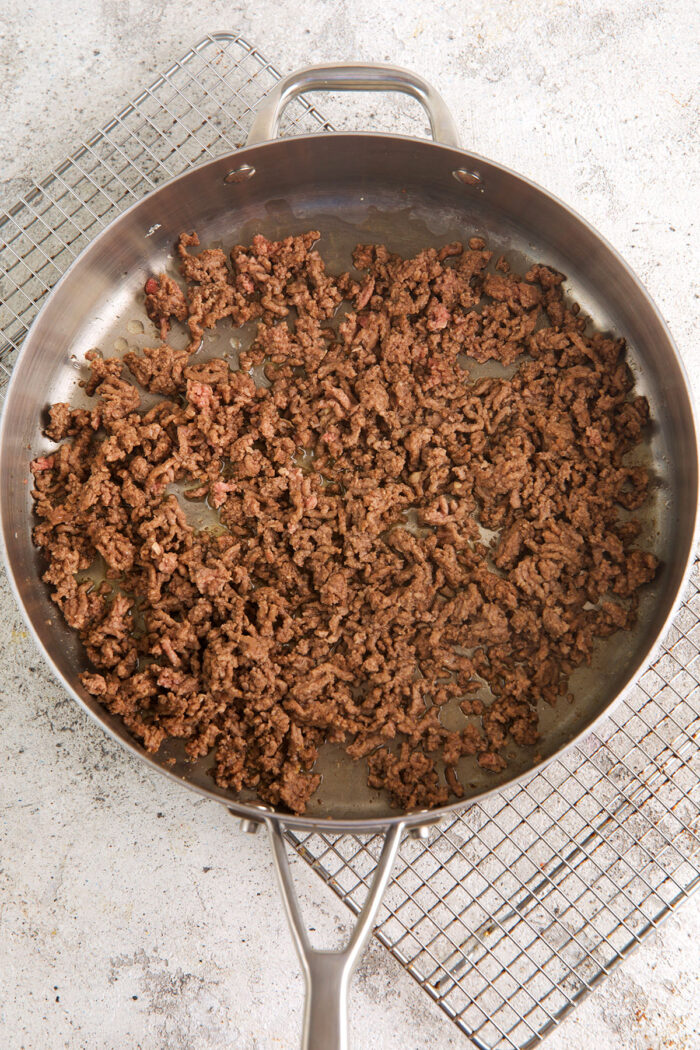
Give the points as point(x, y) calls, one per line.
point(257, 812)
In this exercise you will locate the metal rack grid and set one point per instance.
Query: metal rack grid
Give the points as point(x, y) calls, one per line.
point(200, 108)
point(512, 911)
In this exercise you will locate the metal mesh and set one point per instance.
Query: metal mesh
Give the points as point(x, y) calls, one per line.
point(512, 911)
point(200, 108)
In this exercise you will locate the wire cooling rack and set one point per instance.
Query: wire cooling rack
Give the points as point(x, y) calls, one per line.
point(511, 912)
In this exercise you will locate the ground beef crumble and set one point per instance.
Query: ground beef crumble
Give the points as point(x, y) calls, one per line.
point(350, 594)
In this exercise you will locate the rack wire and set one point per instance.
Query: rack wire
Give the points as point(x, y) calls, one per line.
point(513, 910)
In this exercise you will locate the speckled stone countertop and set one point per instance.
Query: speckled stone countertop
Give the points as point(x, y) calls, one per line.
point(131, 913)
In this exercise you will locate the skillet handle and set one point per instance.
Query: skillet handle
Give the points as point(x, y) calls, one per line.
point(351, 76)
point(327, 974)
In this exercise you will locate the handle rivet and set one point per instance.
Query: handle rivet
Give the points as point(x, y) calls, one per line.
point(246, 171)
point(421, 832)
point(469, 178)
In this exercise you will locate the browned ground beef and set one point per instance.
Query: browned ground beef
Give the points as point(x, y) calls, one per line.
point(316, 614)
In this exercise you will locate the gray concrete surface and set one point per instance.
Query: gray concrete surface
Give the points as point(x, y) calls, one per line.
point(131, 914)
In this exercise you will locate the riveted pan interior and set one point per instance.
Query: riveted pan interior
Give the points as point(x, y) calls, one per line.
point(353, 187)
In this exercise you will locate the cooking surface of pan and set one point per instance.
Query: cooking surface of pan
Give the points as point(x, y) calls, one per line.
point(354, 187)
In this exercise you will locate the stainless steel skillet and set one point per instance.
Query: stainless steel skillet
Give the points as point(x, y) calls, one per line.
point(408, 193)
